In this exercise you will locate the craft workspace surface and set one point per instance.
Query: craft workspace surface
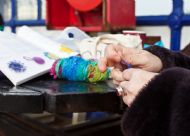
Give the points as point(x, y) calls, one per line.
point(57, 96)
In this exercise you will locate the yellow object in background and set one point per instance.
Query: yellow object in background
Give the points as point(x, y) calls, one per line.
point(65, 49)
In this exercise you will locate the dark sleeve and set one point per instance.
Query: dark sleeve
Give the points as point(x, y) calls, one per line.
point(169, 58)
point(162, 108)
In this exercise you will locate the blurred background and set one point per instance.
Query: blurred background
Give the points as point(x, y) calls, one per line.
point(27, 10)
point(165, 20)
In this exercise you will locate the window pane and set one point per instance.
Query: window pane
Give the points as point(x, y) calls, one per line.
point(153, 7)
point(5, 9)
point(187, 6)
point(26, 9)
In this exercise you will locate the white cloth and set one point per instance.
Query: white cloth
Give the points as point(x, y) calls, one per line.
point(93, 48)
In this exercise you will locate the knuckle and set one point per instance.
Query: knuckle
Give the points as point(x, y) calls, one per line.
point(125, 71)
point(113, 74)
point(116, 75)
point(116, 82)
point(123, 85)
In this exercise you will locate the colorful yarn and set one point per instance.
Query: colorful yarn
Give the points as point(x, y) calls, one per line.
point(76, 68)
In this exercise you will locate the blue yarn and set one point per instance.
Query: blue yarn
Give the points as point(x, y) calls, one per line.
point(63, 69)
point(75, 68)
point(82, 70)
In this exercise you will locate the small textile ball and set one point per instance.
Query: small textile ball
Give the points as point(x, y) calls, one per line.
point(76, 68)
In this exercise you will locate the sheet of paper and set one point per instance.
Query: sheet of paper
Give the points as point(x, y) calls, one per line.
point(21, 55)
point(23, 67)
point(44, 42)
point(11, 45)
point(24, 56)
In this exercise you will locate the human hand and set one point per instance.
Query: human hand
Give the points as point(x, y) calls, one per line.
point(112, 58)
point(115, 55)
point(133, 82)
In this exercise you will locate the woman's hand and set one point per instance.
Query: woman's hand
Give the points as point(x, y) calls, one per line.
point(117, 56)
point(112, 58)
point(131, 81)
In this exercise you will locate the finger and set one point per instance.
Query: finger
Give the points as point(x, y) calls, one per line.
point(116, 74)
point(119, 66)
point(111, 59)
point(130, 51)
point(133, 56)
point(116, 82)
point(102, 64)
point(113, 54)
point(128, 99)
point(135, 59)
point(127, 74)
point(124, 85)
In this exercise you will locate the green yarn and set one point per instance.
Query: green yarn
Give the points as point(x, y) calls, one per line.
point(94, 74)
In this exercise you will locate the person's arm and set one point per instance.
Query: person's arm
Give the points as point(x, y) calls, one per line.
point(162, 108)
point(170, 59)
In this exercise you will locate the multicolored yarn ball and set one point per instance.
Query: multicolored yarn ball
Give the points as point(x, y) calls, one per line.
point(76, 68)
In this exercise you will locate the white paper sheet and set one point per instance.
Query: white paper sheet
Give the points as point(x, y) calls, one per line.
point(28, 44)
